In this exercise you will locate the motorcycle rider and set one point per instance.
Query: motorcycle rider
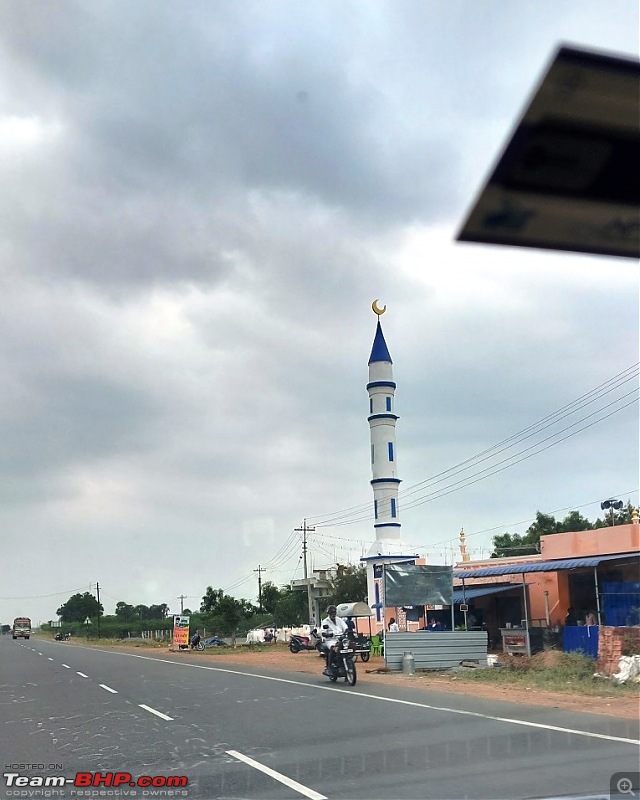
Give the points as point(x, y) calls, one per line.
point(332, 627)
point(195, 639)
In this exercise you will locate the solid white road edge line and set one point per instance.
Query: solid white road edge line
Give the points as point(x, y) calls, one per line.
point(108, 688)
point(278, 776)
point(462, 712)
point(157, 713)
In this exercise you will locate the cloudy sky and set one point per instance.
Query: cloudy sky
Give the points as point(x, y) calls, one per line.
point(199, 201)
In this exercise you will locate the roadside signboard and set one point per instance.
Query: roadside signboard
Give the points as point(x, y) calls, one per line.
point(568, 177)
point(181, 630)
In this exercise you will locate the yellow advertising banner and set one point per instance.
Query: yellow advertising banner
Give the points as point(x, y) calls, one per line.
point(180, 631)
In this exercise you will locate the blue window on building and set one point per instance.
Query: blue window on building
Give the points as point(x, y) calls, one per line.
point(371, 405)
point(375, 509)
point(393, 508)
point(373, 453)
point(388, 404)
point(390, 451)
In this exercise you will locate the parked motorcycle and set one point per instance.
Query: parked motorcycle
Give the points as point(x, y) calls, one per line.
point(61, 637)
point(342, 661)
point(215, 641)
point(196, 643)
point(311, 642)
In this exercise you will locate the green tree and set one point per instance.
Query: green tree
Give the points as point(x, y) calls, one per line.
point(349, 584)
point(291, 607)
point(270, 596)
point(228, 612)
point(509, 545)
point(125, 612)
point(78, 607)
point(544, 525)
point(211, 600)
point(574, 521)
point(141, 611)
point(158, 611)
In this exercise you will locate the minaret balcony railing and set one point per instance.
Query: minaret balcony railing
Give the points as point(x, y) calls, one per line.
point(382, 416)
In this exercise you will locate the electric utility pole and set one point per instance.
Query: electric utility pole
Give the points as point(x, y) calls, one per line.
point(260, 570)
point(304, 530)
point(98, 593)
point(182, 598)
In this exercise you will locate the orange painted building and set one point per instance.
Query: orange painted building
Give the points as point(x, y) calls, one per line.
point(569, 571)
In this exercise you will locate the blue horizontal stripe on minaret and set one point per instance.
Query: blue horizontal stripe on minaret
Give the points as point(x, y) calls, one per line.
point(388, 525)
point(379, 351)
point(382, 416)
point(385, 480)
point(388, 384)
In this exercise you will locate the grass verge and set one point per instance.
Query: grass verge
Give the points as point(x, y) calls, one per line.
point(552, 672)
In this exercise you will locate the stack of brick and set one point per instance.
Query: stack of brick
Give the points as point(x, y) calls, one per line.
point(613, 644)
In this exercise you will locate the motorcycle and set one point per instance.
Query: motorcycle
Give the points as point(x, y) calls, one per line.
point(342, 661)
point(311, 642)
point(61, 637)
point(196, 643)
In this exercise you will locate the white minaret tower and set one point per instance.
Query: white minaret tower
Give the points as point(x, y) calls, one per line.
point(388, 547)
point(382, 426)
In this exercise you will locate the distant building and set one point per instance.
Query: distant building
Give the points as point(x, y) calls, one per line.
point(319, 581)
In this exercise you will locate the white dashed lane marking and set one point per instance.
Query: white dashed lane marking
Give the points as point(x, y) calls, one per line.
point(157, 713)
point(278, 776)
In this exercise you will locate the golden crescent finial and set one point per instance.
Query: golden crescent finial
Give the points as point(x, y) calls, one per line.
point(376, 309)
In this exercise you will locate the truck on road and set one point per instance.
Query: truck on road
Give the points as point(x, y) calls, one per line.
point(21, 628)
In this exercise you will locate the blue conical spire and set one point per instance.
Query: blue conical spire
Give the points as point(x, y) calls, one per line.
point(379, 351)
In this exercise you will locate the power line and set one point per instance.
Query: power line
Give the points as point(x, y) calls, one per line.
point(489, 471)
point(437, 496)
point(354, 513)
point(40, 596)
point(531, 519)
point(430, 548)
point(546, 422)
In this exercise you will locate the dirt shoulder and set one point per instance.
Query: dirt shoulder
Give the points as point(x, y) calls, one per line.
point(279, 658)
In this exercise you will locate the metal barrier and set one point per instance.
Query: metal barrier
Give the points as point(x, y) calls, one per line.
point(436, 649)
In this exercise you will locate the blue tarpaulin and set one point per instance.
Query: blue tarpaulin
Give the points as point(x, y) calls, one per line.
point(581, 639)
point(621, 602)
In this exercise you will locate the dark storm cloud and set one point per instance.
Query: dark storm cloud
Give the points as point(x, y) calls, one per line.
point(169, 121)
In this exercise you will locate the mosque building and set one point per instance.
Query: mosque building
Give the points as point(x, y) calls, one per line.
point(582, 569)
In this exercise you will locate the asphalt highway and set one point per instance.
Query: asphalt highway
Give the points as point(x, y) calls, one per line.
point(233, 733)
